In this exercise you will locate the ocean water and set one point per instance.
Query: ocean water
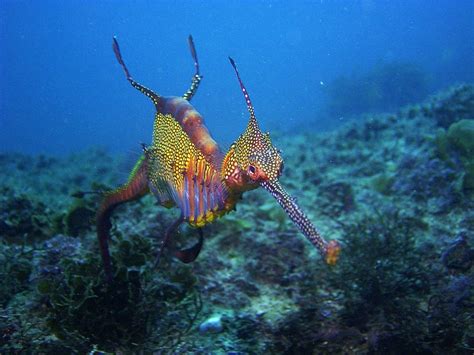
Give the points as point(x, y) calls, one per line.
point(62, 90)
point(370, 107)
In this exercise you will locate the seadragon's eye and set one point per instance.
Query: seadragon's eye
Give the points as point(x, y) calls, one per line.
point(252, 169)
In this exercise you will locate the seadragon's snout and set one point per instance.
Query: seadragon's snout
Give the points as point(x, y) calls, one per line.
point(328, 250)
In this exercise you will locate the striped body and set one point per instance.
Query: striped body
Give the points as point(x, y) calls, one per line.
point(180, 174)
point(135, 188)
point(192, 124)
point(184, 167)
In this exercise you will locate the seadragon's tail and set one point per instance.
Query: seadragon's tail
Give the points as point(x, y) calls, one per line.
point(134, 188)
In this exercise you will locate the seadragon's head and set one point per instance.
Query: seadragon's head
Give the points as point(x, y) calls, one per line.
point(253, 161)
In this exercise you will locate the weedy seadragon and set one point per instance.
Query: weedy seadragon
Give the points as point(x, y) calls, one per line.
point(185, 168)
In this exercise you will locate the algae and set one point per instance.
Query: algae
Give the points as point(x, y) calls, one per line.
point(461, 137)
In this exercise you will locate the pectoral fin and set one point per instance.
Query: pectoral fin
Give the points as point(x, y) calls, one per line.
point(190, 254)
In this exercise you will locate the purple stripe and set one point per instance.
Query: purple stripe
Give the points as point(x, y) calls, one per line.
point(196, 198)
point(175, 197)
point(220, 197)
point(212, 204)
point(204, 197)
point(186, 197)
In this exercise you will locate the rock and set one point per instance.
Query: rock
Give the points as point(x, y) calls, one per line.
point(211, 325)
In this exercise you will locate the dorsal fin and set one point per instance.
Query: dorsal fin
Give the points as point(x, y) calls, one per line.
point(253, 119)
point(197, 76)
point(144, 90)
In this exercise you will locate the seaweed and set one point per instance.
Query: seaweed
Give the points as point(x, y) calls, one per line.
point(451, 319)
point(394, 289)
point(79, 218)
point(461, 136)
point(15, 270)
point(140, 309)
point(382, 279)
point(22, 217)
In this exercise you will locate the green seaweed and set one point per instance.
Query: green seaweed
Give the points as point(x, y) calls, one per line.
point(383, 282)
point(442, 145)
point(15, 270)
point(461, 138)
point(22, 217)
point(78, 218)
point(382, 183)
point(82, 309)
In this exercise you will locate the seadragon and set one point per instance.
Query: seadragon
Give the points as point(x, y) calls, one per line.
point(185, 168)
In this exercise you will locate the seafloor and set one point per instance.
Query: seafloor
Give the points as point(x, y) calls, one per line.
point(396, 190)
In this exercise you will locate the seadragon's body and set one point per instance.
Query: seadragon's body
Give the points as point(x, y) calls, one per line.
point(184, 167)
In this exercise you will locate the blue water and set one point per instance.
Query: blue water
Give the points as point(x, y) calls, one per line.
point(61, 89)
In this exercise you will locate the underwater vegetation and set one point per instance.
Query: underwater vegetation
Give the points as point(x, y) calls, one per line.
point(80, 307)
point(395, 189)
point(387, 86)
